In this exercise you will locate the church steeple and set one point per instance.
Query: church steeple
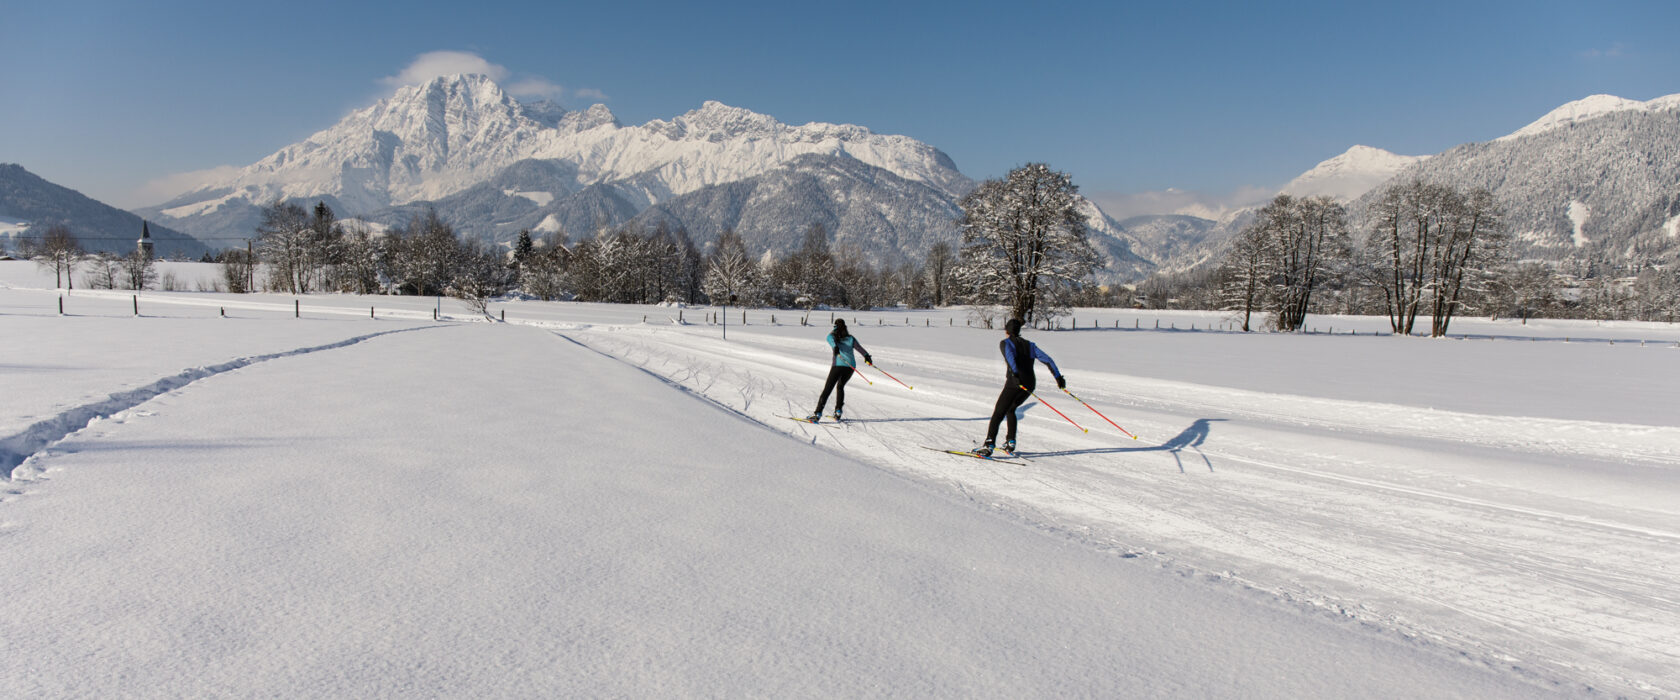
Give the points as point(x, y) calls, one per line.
point(145, 242)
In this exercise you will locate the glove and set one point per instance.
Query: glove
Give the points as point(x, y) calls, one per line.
point(868, 360)
point(1061, 382)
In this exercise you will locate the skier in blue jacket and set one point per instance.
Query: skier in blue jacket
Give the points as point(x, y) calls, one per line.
point(1019, 354)
point(841, 343)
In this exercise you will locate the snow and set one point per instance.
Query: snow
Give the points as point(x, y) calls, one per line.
point(1672, 226)
point(1589, 108)
point(204, 207)
point(549, 224)
point(601, 500)
point(447, 135)
point(1579, 212)
point(12, 227)
point(541, 198)
point(1351, 174)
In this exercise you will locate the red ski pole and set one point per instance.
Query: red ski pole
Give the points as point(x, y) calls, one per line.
point(861, 374)
point(1053, 408)
point(889, 376)
point(1099, 413)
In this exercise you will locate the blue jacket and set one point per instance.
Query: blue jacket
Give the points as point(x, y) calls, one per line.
point(1019, 354)
point(843, 350)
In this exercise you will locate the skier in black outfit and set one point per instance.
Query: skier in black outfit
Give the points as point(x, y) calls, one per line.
point(1018, 354)
point(841, 343)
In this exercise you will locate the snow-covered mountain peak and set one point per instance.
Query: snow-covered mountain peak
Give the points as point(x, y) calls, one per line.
point(596, 115)
point(545, 112)
point(716, 121)
point(1589, 108)
point(433, 140)
point(1350, 174)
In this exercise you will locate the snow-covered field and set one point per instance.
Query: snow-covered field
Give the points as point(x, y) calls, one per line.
point(242, 495)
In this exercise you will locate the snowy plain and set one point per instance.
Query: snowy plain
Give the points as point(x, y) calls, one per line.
point(254, 495)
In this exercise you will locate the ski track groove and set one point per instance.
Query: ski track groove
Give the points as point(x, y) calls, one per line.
point(1311, 526)
point(16, 450)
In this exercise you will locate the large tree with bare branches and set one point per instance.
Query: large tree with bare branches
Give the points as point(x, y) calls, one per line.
point(1024, 243)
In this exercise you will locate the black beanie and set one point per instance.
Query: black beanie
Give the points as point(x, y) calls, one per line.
point(1013, 327)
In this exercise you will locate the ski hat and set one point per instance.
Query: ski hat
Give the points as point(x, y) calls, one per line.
point(1013, 327)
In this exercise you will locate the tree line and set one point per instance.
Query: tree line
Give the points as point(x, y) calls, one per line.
point(1024, 249)
point(58, 250)
point(1425, 251)
point(1422, 252)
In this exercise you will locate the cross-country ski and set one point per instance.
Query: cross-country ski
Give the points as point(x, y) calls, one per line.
point(977, 455)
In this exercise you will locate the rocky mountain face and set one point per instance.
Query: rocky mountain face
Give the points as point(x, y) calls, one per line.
point(493, 167)
point(31, 205)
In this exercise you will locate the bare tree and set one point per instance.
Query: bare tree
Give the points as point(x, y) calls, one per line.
point(61, 252)
point(1527, 289)
point(1474, 244)
point(1426, 245)
point(543, 273)
point(236, 270)
point(357, 271)
point(1307, 237)
point(1247, 273)
point(1024, 242)
point(104, 271)
point(941, 262)
point(732, 273)
point(283, 243)
point(479, 276)
point(421, 257)
point(139, 270)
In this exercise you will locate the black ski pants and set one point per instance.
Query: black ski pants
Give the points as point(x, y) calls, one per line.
point(1008, 401)
point(838, 375)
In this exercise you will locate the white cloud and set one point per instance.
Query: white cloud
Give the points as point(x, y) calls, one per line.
point(168, 187)
point(535, 87)
point(440, 63)
point(436, 64)
point(591, 94)
point(1124, 205)
point(1616, 50)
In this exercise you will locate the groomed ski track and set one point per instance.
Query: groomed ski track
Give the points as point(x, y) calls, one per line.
point(1539, 545)
point(1463, 529)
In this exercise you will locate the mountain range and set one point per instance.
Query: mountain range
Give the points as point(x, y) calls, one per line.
point(1593, 181)
point(493, 167)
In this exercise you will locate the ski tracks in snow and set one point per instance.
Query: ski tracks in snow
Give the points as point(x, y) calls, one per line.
point(17, 450)
point(1491, 535)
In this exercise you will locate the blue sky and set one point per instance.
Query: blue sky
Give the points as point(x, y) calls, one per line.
point(1213, 100)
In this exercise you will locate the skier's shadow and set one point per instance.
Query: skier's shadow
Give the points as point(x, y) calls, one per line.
point(1191, 437)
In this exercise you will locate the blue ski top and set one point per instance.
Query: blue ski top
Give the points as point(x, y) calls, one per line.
point(1022, 368)
point(843, 350)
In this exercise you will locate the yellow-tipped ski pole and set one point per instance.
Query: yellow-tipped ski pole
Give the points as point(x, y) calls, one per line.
point(1099, 413)
point(861, 374)
point(889, 376)
point(1053, 408)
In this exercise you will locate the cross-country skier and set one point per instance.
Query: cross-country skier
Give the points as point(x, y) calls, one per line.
point(841, 343)
point(1018, 354)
